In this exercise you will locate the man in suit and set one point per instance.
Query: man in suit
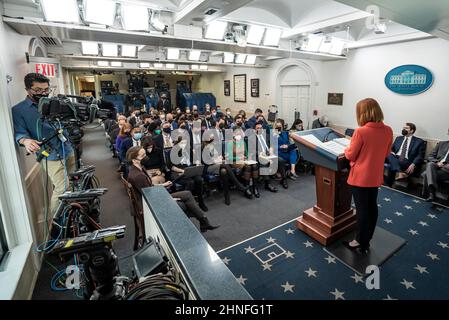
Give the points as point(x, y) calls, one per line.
point(437, 169)
point(263, 146)
point(407, 154)
point(252, 121)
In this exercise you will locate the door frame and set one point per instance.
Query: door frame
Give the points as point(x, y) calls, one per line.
point(311, 82)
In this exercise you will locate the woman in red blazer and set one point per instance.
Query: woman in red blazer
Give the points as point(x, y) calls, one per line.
point(370, 145)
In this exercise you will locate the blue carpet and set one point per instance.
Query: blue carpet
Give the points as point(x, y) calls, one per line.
point(284, 263)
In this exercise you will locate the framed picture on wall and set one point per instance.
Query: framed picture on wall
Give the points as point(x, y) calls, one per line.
point(335, 99)
point(254, 88)
point(227, 87)
point(240, 88)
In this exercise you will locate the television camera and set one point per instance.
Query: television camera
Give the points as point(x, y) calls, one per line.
point(154, 277)
point(71, 113)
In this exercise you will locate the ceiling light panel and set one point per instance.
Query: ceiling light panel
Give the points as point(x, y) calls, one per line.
point(103, 63)
point(89, 48)
point(170, 65)
point(240, 58)
point(216, 30)
point(194, 67)
point(158, 65)
point(255, 34)
point(228, 57)
point(129, 50)
point(100, 11)
point(61, 10)
point(194, 55)
point(145, 65)
point(203, 67)
point(250, 59)
point(116, 64)
point(172, 54)
point(135, 18)
point(110, 50)
point(272, 37)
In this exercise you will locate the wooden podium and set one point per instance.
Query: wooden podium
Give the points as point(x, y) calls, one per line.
point(332, 217)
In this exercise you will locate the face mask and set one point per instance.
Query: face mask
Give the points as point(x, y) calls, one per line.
point(404, 132)
point(238, 138)
point(144, 161)
point(238, 124)
point(150, 149)
point(167, 130)
point(278, 128)
point(37, 97)
point(228, 113)
point(157, 131)
point(137, 136)
point(221, 126)
point(214, 114)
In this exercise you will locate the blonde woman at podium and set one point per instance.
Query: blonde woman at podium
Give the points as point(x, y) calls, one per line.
point(370, 145)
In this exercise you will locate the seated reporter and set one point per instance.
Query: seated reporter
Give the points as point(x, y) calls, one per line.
point(407, 154)
point(236, 153)
point(263, 148)
point(194, 184)
point(213, 159)
point(154, 162)
point(139, 179)
point(286, 150)
point(297, 125)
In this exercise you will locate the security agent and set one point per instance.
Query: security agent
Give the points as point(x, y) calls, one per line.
point(30, 129)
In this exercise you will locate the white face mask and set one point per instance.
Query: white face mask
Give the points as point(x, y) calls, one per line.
point(238, 138)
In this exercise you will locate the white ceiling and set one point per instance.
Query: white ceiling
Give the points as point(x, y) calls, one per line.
point(345, 19)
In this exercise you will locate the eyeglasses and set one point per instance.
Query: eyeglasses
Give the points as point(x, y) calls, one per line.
point(40, 90)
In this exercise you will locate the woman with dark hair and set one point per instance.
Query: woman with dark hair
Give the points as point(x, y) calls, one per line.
point(139, 179)
point(297, 125)
point(370, 145)
point(286, 149)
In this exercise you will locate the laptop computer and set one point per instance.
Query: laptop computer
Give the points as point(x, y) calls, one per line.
point(191, 172)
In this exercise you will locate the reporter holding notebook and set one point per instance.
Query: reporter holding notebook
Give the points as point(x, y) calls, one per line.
point(370, 145)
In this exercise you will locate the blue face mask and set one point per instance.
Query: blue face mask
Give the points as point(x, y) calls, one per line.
point(138, 136)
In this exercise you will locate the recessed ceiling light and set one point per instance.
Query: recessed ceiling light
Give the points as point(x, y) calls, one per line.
point(100, 11)
point(129, 50)
point(251, 59)
point(272, 37)
point(110, 50)
point(240, 58)
point(135, 18)
point(194, 55)
point(90, 48)
point(145, 65)
point(116, 64)
point(194, 67)
point(60, 10)
point(103, 63)
point(228, 57)
point(203, 67)
point(255, 34)
point(172, 54)
point(170, 65)
point(216, 30)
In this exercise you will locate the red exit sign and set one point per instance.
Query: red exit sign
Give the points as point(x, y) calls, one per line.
point(47, 69)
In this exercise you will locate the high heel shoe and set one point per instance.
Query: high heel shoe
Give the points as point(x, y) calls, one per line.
point(358, 248)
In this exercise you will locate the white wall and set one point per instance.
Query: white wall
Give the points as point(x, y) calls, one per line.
point(269, 91)
point(362, 76)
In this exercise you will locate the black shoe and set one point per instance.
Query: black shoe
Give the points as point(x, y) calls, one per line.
point(362, 250)
point(256, 191)
point(270, 187)
point(430, 198)
point(227, 198)
point(205, 225)
point(248, 193)
point(284, 183)
point(203, 206)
